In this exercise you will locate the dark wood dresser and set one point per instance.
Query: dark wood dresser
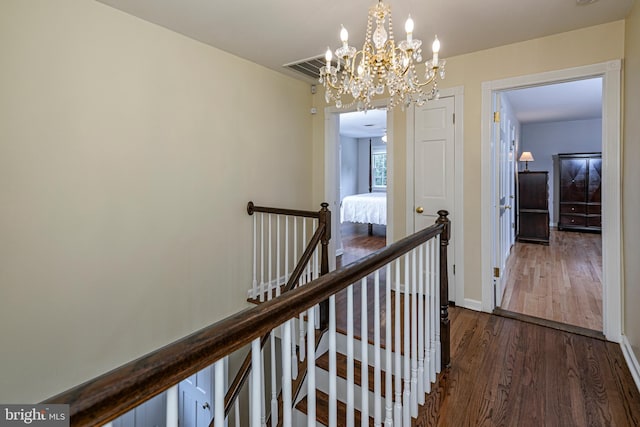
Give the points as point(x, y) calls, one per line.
point(580, 192)
point(533, 207)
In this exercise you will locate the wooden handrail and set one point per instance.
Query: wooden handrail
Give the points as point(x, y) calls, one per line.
point(251, 208)
point(108, 396)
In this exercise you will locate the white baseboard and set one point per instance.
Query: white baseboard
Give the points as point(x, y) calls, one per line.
point(472, 304)
point(632, 361)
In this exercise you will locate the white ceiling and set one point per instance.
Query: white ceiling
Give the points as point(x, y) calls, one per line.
point(279, 32)
point(576, 100)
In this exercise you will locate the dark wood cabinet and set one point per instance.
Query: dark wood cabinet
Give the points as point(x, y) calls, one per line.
point(580, 192)
point(533, 207)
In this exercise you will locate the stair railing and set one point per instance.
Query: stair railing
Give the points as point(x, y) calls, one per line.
point(416, 342)
point(265, 249)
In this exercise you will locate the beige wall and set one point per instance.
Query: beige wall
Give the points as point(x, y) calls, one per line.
point(127, 156)
point(576, 48)
point(631, 178)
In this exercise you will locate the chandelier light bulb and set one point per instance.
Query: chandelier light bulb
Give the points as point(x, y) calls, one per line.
point(328, 56)
point(344, 35)
point(436, 48)
point(436, 45)
point(408, 27)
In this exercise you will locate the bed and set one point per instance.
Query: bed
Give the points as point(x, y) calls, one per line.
point(367, 208)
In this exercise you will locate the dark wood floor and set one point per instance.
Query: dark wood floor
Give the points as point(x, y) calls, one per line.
point(507, 372)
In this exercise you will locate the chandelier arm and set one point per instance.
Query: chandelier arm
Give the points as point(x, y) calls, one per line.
point(431, 80)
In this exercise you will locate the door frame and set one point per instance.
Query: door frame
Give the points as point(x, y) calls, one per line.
point(611, 200)
point(457, 93)
point(331, 166)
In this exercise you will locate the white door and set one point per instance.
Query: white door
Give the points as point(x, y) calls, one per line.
point(434, 170)
point(502, 196)
point(196, 399)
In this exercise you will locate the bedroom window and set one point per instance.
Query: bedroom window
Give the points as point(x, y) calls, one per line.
point(379, 170)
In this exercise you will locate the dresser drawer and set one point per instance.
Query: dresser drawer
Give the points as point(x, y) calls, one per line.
point(594, 209)
point(594, 221)
point(573, 208)
point(573, 220)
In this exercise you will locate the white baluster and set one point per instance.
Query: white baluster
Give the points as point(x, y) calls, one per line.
point(262, 285)
point(278, 277)
point(219, 393)
point(294, 356)
point(427, 317)
point(256, 407)
point(274, 384)
point(236, 412)
point(350, 358)
point(270, 257)
point(421, 317)
point(406, 395)
point(311, 371)
point(172, 406)
point(286, 374)
point(263, 391)
point(388, 370)
point(433, 312)
point(287, 273)
point(364, 356)
point(414, 334)
point(254, 283)
point(377, 384)
point(316, 257)
point(397, 414)
point(333, 366)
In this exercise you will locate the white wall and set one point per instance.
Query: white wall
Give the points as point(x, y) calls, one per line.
point(348, 166)
point(126, 163)
point(546, 140)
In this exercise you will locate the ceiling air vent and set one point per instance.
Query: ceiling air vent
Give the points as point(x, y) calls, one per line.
point(309, 67)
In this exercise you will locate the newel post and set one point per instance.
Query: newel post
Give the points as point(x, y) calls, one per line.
point(445, 334)
point(324, 219)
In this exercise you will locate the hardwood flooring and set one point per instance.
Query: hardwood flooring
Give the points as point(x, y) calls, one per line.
point(560, 282)
point(505, 372)
point(357, 243)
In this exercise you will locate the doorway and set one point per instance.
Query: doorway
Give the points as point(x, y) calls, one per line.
point(380, 121)
point(610, 136)
point(362, 177)
point(553, 269)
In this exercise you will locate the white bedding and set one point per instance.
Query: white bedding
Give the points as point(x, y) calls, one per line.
point(367, 208)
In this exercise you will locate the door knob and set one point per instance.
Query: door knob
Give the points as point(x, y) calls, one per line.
point(206, 405)
point(419, 209)
point(507, 207)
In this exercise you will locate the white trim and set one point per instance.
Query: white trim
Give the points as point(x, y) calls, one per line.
point(472, 304)
point(611, 165)
point(632, 361)
point(457, 93)
point(331, 138)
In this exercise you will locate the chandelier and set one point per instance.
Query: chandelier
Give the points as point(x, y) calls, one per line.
point(363, 75)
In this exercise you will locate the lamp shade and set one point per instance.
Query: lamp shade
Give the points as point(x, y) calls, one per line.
point(526, 157)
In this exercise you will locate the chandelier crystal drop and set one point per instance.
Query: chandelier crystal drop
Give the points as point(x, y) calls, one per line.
point(362, 75)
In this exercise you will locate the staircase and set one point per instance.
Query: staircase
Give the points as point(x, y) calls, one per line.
point(356, 346)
